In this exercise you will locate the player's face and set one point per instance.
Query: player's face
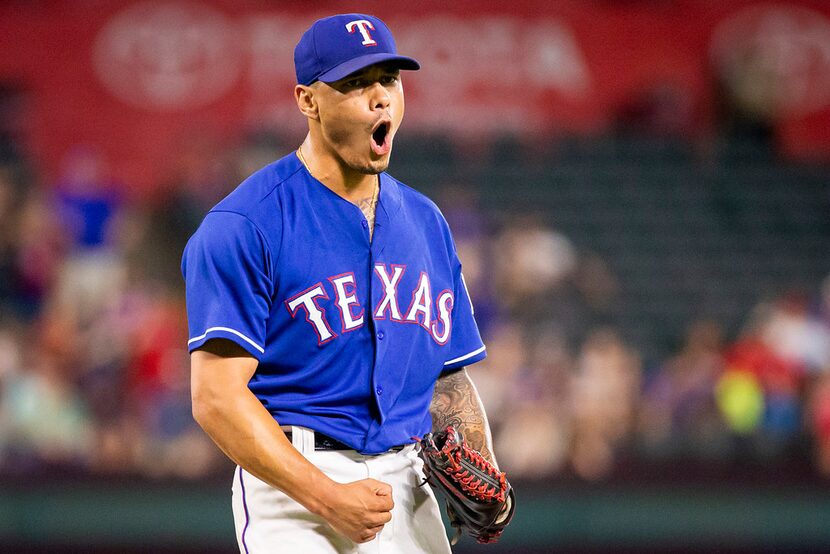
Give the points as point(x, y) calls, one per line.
point(359, 116)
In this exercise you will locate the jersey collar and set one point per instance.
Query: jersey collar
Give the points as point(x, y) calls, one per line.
point(389, 197)
point(390, 200)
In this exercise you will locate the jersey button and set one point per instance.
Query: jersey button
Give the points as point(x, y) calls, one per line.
point(364, 223)
point(381, 335)
point(379, 390)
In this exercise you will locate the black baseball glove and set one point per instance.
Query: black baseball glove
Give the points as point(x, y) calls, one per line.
point(479, 499)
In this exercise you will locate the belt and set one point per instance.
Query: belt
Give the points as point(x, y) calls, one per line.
point(324, 442)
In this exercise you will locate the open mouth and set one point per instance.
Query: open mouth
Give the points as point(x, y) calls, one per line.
point(380, 138)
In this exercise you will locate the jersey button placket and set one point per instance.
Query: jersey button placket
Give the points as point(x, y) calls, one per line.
point(380, 334)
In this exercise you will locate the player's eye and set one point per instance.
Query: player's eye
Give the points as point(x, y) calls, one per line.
point(389, 79)
point(353, 83)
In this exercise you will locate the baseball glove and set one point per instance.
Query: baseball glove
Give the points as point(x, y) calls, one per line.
point(479, 499)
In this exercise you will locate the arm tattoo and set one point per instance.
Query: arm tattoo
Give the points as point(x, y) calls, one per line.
point(456, 402)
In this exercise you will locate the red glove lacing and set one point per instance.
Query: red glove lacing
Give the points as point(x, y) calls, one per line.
point(472, 483)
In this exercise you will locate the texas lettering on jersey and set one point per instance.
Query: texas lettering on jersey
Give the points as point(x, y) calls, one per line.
point(433, 316)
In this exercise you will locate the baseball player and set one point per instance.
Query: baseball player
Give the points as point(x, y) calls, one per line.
point(329, 320)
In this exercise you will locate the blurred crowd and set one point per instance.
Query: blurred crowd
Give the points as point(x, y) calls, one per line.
point(94, 368)
point(94, 372)
point(566, 395)
point(565, 406)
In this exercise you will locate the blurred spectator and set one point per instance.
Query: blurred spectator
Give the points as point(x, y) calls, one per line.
point(539, 446)
point(158, 391)
point(597, 284)
point(88, 206)
point(496, 375)
point(532, 261)
point(748, 94)
point(40, 249)
point(46, 422)
point(534, 270)
point(761, 387)
point(103, 386)
point(797, 335)
point(521, 379)
point(87, 200)
point(605, 393)
point(678, 409)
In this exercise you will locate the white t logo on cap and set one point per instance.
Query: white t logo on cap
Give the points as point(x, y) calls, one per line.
point(363, 26)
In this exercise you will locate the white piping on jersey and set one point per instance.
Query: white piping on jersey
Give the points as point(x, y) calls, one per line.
point(465, 356)
point(229, 330)
point(464, 282)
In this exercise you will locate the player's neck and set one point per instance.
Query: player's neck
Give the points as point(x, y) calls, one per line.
point(342, 180)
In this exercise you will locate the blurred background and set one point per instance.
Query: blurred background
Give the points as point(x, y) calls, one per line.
point(639, 190)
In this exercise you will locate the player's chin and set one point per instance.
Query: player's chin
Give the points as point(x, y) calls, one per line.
point(375, 165)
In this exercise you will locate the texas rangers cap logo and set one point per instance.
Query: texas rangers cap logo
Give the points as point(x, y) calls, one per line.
point(337, 46)
point(363, 26)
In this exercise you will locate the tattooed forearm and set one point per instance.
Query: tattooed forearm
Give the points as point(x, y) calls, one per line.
point(456, 402)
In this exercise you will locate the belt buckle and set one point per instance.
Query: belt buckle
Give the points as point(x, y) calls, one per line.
point(322, 442)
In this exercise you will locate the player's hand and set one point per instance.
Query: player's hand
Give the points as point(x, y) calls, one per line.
point(359, 509)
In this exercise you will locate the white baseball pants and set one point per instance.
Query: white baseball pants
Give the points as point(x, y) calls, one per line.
point(268, 521)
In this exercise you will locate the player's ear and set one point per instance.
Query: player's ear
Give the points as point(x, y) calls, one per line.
point(306, 100)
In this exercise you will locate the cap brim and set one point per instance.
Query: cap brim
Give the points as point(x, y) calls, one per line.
point(356, 64)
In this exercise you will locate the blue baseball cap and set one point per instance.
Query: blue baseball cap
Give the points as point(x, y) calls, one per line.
point(337, 46)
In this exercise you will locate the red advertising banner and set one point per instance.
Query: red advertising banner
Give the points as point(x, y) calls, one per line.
point(136, 78)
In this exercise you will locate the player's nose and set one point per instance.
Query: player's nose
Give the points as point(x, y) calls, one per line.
point(379, 97)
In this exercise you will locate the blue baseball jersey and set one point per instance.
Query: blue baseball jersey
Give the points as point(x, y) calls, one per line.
point(350, 334)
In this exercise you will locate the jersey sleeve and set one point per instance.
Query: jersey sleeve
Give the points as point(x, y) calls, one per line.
point(228, 283)
point(466, 346)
